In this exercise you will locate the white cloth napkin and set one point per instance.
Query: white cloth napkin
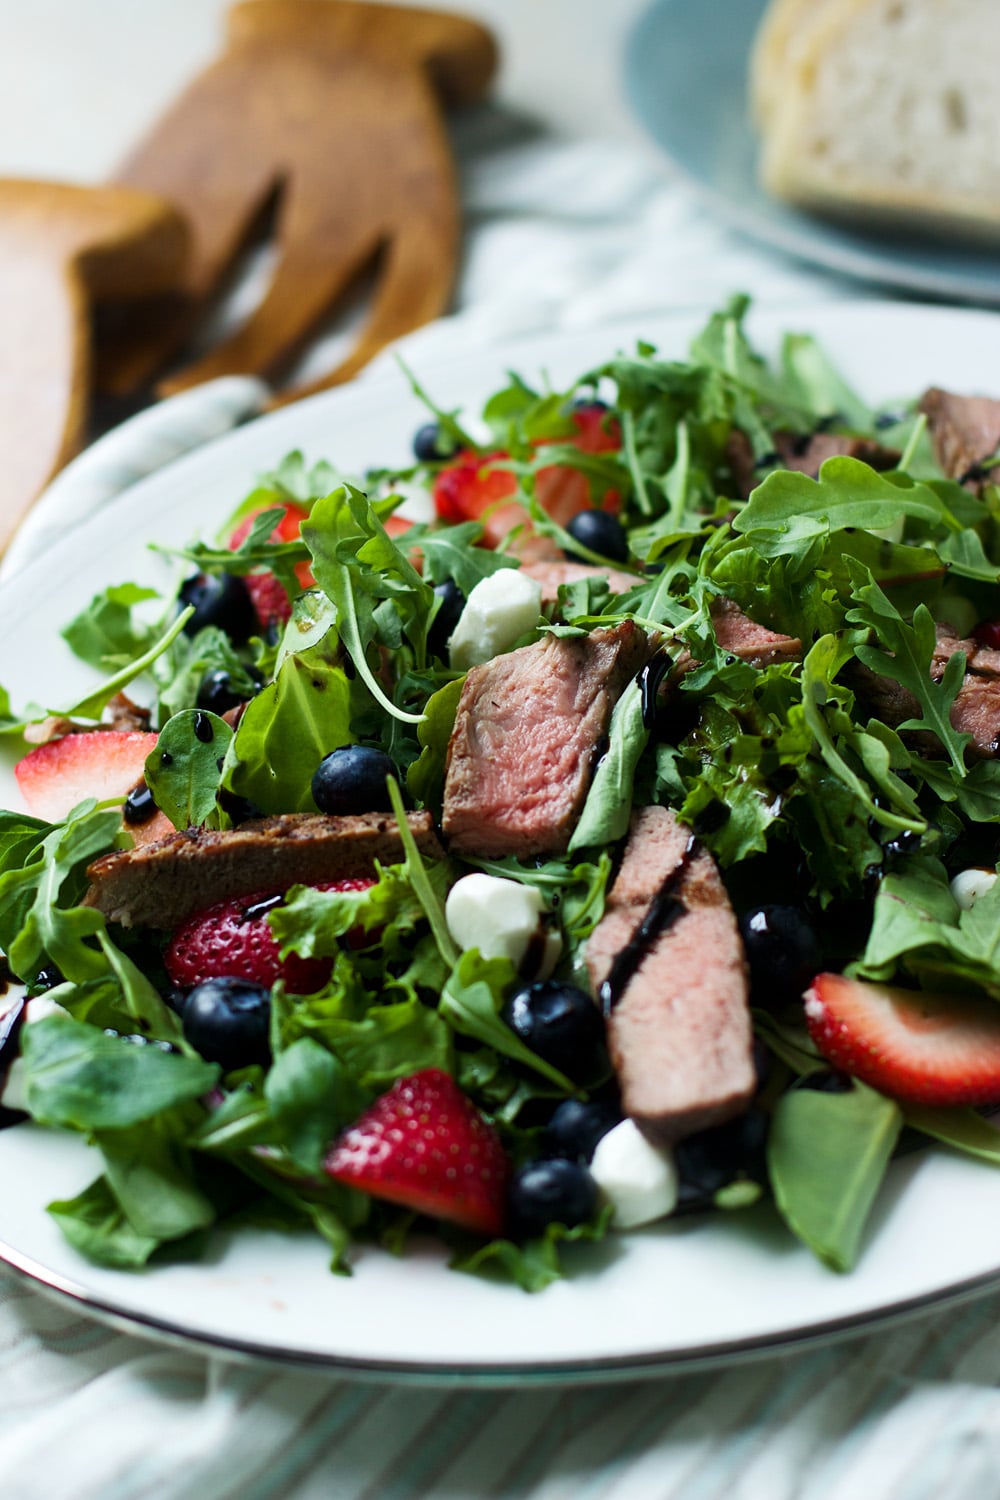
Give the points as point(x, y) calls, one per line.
point(561, 235)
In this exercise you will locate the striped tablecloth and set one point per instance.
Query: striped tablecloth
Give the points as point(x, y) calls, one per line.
point(561, 236)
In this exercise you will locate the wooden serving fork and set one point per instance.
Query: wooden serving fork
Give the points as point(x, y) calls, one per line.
point(335, 106)
point(63, 249)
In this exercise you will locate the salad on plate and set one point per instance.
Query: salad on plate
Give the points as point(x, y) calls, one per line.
point(613, 840)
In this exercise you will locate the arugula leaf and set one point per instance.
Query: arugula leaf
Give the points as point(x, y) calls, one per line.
point(106, 634)
point(425, 776)
point(471, 1002)
point(359, 567)
point(812, 380)
point(827, 1155)
point(38, 915)
point(536, 1263)
point(94, 704)
point(906, 658)
point(311, 1096)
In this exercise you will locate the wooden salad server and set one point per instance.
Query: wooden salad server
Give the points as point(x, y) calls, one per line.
point(63, 249)
point(336, 107)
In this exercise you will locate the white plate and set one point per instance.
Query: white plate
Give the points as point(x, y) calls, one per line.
point(686, 76)
point(691, 1291)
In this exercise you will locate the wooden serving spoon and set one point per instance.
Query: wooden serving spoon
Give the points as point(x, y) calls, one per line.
point(62, 249)
point(335, 106)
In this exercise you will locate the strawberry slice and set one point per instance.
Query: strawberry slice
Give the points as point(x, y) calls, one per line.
point(99, 763)
point(424, 1145)
point(232, 940)
point(473, 487)
point(919, 1047)
point(269, 598)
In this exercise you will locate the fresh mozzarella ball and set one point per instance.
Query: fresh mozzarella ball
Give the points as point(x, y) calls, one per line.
point(638, 1179)
point(499, 609)
point(12, 1092)
point(969, 885)
point(499, 917)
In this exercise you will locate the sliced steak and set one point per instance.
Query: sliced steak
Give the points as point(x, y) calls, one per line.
point(527, 730)
point(679, 1027)
point(965, 431)
point(164, 882)
point(753, 643)
point(804, 453)
point(975, 711)
point(552, 576)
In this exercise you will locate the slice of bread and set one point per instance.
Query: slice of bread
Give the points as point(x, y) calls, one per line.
point(883, 110)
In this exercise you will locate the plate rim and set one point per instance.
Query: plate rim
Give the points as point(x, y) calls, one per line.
point(501, 1372)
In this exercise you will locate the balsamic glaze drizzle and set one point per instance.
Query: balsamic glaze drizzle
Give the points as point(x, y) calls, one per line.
point(650, 678)
point(664, 910)
point(260, 908)
point(202, 726)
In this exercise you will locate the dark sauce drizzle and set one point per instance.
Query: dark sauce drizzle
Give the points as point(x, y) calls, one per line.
point(664, 910)
point(650, 678)
point(202, 726)
point(260, 908)
point(10, 1026)
point(139, 805)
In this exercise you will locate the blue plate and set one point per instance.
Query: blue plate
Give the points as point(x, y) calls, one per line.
point(686, 75)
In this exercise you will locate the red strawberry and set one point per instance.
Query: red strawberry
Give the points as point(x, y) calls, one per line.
point(472, 484)
point(269, 598)
point(919, 1047)
point(425, 1145)
point(232, 939)
point(99, 763)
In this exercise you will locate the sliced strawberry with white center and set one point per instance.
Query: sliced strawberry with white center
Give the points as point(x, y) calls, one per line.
point(474, 485)
point(99, 763)
point(919, 1047)
point(425, 1145)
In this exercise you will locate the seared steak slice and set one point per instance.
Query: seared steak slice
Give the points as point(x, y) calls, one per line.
point(679, 1028)
point(975, 711)
point(552, 576)
point(753, 643)
point(805, 453)
point(164, 882)
point(523, 747)
point(966, 431)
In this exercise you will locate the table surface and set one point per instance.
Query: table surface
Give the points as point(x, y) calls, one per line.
point(81, 79)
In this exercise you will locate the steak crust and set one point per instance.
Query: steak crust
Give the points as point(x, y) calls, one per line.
point(166, 881)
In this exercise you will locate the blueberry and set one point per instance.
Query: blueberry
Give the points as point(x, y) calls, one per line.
point(710, 1160)
point(139, 805)
point(452, 604)
point(550, 1192)
point(562, 1025)
point(589, 403)
point(352, 780)
point(220, 600)
point(576, 1127)
point(227, 1021)
point(599, 532)
point(430, 444)
point(217, 694)
point(783, 953)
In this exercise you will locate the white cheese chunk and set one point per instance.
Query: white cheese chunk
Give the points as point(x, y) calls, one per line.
point(638, 1179)
point(499, 609)
point(968, 885)
point(499, 917)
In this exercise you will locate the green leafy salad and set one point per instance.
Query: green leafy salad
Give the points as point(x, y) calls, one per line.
point(822, 713)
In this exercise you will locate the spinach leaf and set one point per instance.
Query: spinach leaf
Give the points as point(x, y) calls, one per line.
point(148, 1170)
point(827, 1155)
point(106, 634)
point(79, 1077)
point(184, 769)
point(606, 812)
point(95, 1224)
point(471, 1001)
